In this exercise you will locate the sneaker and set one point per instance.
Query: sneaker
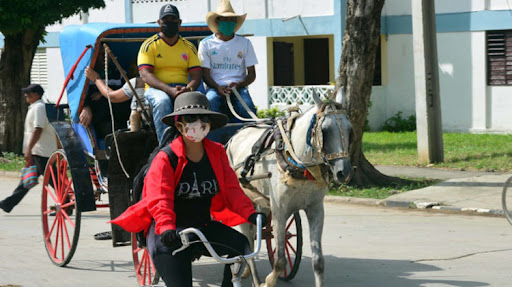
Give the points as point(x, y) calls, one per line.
point(2, 206)
point(103, 235)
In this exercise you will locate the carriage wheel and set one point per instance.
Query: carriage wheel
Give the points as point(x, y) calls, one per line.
point(144, 268)
point(293, 245)
point(60, 216)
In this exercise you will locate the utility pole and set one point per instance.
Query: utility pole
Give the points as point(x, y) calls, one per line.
point(426, 78)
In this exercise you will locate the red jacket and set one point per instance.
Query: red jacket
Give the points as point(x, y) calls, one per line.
point(230, 206)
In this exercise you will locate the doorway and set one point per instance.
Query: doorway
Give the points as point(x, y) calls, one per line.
point(316, 61)
point(283, 64)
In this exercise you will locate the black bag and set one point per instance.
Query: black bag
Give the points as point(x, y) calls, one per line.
point(138, 181)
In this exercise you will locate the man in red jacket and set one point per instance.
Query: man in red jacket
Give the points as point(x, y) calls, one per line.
point(201, 192)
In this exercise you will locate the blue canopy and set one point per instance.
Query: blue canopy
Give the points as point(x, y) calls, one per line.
point(75, 39)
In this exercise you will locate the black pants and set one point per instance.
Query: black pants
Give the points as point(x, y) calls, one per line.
point(10, 202)
point(176, 271)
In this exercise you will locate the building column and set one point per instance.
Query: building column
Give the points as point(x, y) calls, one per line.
point(479, 104)
point(128, 11)
point(340, 12)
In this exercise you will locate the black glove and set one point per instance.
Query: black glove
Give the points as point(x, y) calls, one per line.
point(170, 238)
point(252, 218)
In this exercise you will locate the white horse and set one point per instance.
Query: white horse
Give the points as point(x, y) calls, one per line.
point(318, 140)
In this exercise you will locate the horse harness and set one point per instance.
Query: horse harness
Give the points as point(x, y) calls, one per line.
point(288, 162)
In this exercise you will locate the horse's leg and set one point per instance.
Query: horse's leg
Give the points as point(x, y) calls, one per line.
point(249, 231)
point(278, 227)
point(315, 216)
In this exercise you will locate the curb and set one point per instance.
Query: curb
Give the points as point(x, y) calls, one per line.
point(353, 200)
point(10, 173)
point(421, 205)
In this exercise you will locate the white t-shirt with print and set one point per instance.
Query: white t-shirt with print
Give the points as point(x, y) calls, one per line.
point(227, 60)
point(36, 118)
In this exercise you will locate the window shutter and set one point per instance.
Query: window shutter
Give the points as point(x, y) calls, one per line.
point(39, 72)
point(499, 58)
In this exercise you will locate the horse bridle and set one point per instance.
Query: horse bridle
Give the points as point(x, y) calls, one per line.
point(318, 134)
point(317, 144)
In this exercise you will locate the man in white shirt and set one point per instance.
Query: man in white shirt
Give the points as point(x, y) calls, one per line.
point(39, 141)
point(227, 60)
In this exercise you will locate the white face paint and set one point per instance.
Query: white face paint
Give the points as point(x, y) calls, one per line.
point(195, 131)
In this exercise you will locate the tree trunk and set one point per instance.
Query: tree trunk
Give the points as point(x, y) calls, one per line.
point(357, 65)
point(15, 65)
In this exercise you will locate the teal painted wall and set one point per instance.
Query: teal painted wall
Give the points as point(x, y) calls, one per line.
point(453, 22)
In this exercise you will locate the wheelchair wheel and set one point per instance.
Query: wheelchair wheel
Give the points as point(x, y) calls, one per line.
point(506, 199)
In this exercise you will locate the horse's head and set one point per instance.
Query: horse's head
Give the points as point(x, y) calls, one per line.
point(332, 137)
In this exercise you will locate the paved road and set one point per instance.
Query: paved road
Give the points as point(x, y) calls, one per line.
point(364, 246)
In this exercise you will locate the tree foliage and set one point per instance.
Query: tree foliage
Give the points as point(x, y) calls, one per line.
point(23, 25)
point(16, 16)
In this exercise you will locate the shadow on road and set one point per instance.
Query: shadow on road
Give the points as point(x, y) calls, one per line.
point(102, 265)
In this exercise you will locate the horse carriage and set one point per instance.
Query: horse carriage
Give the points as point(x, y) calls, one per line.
point(89, 167)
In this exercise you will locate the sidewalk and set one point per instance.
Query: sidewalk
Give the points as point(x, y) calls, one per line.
point(461, 191)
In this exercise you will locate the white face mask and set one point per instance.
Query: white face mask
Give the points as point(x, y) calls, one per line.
point(195, 131)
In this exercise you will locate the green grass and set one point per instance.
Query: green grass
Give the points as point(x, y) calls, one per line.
point(483, 152)
point(462, 151)
point(11, 162)
point(380, 192)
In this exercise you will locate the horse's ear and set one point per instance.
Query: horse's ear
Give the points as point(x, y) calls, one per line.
point(340, 96)
point(317, 99)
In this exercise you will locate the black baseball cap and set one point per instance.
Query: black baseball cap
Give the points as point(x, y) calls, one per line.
point(33, 88)
point(169, 9)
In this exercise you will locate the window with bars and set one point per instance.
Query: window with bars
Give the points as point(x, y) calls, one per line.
point(499, 58)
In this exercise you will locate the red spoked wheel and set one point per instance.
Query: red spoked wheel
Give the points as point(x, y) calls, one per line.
point(293, 245)
point(60, 216)
point(144, 268)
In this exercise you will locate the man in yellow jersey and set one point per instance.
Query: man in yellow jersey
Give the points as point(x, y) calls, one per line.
point(165, 62)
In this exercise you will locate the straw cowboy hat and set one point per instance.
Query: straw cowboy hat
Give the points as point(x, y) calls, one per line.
point(224, 9)
point(195, 103)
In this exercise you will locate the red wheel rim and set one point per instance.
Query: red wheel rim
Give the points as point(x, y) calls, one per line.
point(293, 245)
point(144, 268)
point(60, 231)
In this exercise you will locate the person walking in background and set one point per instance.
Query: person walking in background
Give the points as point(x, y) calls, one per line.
point(39, 141)
point(165, 61)
point(227, 60)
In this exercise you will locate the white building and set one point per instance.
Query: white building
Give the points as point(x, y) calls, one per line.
point(299, 42)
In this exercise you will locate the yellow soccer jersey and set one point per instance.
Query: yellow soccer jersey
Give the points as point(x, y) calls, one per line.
point(170, 64)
